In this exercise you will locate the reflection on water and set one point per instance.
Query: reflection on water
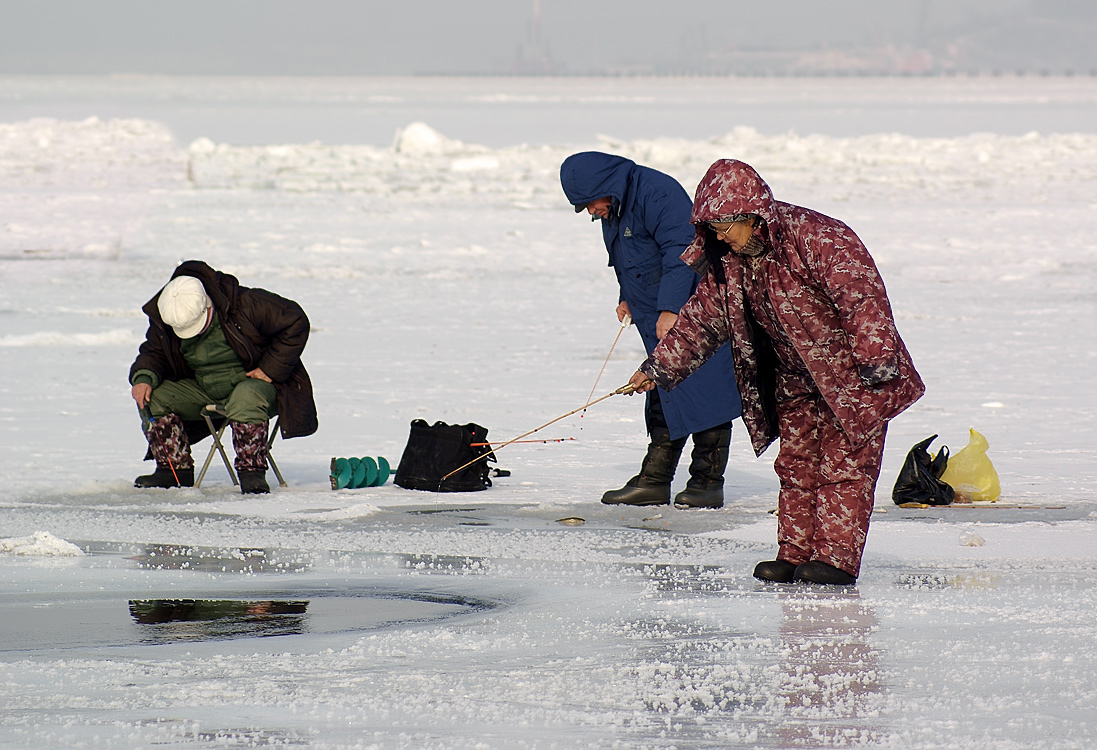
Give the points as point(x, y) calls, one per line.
point(220, 559)
point(463, 564)
point(833, 683)
point(972, 580)
point(174, 620)
point(711, 580)
point(149, 611)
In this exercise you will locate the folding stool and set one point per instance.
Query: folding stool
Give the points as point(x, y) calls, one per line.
point(214, 410)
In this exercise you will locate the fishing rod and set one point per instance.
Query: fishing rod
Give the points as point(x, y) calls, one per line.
point(623, 390)
point(625, 323)
point(548, 440)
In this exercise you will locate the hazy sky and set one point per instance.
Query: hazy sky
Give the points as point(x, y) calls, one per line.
point(368, 37)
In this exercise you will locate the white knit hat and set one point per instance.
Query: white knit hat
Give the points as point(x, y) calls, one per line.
point(183, 304)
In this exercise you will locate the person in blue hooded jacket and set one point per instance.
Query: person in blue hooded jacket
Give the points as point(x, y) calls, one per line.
point(645, 225)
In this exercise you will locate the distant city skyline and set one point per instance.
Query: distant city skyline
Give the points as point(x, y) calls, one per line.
point(568, 37)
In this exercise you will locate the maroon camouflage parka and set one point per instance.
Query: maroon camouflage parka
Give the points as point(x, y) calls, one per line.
point(828, 297)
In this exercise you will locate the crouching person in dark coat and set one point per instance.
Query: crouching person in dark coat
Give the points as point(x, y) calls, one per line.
point(212, 341)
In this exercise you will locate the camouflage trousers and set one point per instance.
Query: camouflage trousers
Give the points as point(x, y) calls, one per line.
point(170, 447)
point(249, 441)
point(168, 443)
point(827, 486)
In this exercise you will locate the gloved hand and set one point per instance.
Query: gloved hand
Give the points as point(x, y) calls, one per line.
point(873, 375)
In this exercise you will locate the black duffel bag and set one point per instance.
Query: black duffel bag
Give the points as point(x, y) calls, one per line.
point(435, 450)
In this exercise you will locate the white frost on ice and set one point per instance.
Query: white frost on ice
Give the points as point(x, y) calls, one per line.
point(113, 337)
point(970, 538)
point(358, 510)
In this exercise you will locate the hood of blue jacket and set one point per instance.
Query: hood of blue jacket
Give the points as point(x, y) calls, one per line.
point(591, 175)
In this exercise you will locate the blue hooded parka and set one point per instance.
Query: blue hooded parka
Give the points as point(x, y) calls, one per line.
point(647, 231)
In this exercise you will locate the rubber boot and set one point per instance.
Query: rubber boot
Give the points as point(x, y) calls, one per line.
point(705, 488)
point(652, 485)
point(170, 447)
point(819, 572)
point(779, 571)
point(250, 443)
point(165, 478)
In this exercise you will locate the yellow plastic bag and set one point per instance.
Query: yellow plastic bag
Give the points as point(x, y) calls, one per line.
point(970, 472)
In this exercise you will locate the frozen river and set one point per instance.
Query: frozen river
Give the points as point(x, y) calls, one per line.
point(501, 112)
point(446, 278)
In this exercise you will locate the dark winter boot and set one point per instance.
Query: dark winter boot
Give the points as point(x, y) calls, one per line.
point(254, 483)
point(777, 571)
point(250, 443)
point(819, 572)
point(164, 478)
point(169, 446)
point(652, 485)
point(705, 488)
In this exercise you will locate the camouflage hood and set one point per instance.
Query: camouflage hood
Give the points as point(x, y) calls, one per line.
point(729, 187)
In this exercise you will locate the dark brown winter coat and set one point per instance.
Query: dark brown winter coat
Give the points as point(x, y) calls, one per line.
point(265, 331)
point(828, 297)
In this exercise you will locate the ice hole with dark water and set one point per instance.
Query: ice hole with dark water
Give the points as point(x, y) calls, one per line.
point(216, 610)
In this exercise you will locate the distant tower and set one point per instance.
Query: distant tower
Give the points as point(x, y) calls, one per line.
point(533, 56)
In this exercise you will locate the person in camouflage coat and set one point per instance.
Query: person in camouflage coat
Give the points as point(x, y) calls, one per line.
point(818, 360)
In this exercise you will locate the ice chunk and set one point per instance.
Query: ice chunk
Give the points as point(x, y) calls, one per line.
point(40, 544)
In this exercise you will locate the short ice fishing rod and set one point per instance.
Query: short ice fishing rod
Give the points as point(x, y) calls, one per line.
point(623, 390)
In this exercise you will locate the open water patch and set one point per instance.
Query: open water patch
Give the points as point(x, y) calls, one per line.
point(113, 620)
point(184, 620)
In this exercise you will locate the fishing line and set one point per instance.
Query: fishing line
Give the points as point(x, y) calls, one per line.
point(625, 323)
point(547, 440)
point(623, 390)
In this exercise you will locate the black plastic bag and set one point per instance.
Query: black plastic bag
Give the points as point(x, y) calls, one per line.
point(435, 450)
point(920, 478)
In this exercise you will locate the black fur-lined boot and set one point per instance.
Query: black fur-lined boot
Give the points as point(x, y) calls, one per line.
point(705, 488)
point(652, 485)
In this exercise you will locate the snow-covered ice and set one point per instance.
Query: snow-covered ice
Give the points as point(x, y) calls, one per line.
point(446, 278)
